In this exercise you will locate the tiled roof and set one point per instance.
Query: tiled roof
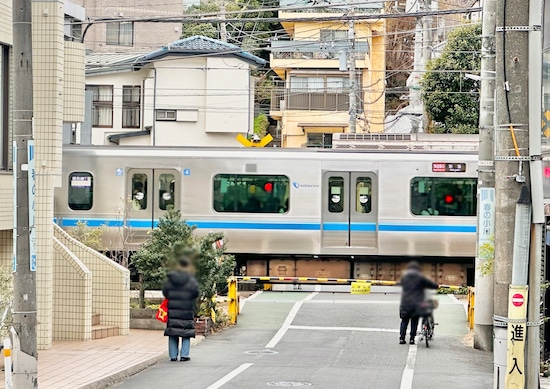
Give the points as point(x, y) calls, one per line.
point(200, 45)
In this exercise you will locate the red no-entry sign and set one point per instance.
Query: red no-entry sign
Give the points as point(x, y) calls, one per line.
point(517, 300)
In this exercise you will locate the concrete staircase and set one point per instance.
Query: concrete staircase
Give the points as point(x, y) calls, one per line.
point(100, 331)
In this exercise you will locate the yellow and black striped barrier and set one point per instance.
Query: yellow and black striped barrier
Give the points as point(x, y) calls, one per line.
point(233, 297)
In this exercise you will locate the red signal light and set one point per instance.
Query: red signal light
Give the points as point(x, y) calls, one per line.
point(268, 187)
point(449, 199)
point(547, 171)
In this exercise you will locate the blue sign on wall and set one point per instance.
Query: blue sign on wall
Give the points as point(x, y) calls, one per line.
point(186, 172)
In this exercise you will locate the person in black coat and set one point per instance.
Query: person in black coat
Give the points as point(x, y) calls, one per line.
point(414, 285)
point(181, 289)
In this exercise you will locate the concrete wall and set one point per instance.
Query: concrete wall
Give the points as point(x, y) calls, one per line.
point(110, 283)
point(72, 307)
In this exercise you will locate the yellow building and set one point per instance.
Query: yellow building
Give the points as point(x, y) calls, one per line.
point(312, 101)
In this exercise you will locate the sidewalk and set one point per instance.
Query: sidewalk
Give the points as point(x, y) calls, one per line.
point(99, 363)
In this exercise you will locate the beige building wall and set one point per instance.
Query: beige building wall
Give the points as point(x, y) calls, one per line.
point(6, 30)
point(48, 58)
point(147, 36)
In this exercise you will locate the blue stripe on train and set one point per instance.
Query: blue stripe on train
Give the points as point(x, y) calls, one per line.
point(334, 226)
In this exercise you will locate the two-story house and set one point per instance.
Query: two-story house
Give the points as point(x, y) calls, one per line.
point(313, 100)
point(193, 92)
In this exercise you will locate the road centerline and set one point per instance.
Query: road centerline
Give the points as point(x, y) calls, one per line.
point(408, 372)
point(288, 321)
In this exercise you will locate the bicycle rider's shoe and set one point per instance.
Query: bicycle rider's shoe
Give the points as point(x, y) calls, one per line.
point(402, 341)
point(412, 341)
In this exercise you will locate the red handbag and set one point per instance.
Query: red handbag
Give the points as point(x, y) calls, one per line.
point(162, 312)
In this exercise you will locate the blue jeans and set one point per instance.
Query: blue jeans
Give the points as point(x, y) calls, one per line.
point(173, 346)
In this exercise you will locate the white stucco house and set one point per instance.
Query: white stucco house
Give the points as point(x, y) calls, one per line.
point(193, 92)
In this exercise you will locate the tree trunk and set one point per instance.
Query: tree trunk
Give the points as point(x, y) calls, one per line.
point(141, 292)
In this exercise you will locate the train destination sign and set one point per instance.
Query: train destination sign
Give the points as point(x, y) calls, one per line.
point(448, 167)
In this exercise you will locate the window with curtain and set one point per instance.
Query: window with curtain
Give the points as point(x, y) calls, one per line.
point(131, 98)
point(120, 34)
point(102, 105)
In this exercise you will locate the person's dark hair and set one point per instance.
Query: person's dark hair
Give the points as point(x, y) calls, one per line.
point(183, 261)
point(413, 265)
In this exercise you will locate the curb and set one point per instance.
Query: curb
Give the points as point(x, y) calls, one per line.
point(121, 375)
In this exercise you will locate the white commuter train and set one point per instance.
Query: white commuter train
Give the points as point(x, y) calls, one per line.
point(288, 212)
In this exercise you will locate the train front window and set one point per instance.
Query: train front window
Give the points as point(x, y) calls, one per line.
point(166, 191)
point(336, 194)
point(81, 191)
point(251, 193)
point(443, 196)
point(363, 195)
point(139, 191)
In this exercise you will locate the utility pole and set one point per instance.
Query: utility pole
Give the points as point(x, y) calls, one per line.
point(511, 163)
point(483, 314)
point(352, 74)
point(534, 343)
point(24, 315)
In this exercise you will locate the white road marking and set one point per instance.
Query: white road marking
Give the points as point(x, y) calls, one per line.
point(352, 302)
point(457, 301)
point(408, 372)
point(229, 376)
point(361, 329)
point(252, 297)
point(288, 321)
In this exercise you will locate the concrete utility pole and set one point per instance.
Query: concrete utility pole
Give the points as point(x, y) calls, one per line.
point(352, 74)
point(516, 153)
point(24, 315)
point(483, 314)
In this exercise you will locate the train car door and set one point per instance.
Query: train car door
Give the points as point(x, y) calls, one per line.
point(151, 192)
point(349, 209)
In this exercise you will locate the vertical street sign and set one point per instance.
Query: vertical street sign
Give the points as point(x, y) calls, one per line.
point(14, 167)
point(486, 223)
point(32, 188)
point(517, 329)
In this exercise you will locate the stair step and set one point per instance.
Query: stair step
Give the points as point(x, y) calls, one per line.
point(103, 331)
point(96, 319)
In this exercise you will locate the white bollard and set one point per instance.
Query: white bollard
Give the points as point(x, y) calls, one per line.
point(7, 364)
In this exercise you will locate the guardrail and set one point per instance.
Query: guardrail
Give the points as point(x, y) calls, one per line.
point(233, 297)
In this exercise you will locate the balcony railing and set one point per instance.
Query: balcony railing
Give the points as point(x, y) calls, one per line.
point(309, 49)
point(285, 99)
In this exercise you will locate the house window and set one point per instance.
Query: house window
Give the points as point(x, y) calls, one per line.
point(333, 35)
point(120, 33)
point(4, 104)
point(166, 114)
point(102, 105)
point(319, 139)
point(131, 98)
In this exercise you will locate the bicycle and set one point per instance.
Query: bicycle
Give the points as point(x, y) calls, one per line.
point(427, 331)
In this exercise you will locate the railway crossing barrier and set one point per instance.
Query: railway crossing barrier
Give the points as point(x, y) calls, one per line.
point(233, 297)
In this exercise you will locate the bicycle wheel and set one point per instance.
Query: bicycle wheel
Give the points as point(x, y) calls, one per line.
point(426, 330)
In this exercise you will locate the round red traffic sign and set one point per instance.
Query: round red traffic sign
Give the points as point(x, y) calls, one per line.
point(517, 300)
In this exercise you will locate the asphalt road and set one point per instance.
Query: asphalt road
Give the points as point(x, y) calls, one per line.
point(326, 340)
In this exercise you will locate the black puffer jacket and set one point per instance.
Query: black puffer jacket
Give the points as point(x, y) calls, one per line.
point(414, 284)
point(181, 289)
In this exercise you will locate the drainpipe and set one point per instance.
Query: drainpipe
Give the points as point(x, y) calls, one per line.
point(154, 107)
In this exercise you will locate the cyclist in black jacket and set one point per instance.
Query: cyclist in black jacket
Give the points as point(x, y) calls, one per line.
point(414, 285)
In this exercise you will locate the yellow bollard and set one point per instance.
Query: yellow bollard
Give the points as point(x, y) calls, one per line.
point(233, 308)
point(471, 301)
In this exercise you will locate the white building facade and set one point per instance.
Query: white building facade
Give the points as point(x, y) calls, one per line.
point(194, 92)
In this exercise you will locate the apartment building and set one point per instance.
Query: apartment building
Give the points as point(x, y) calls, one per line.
point(312, 102)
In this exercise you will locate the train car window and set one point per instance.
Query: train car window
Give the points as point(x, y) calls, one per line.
point(336, 194)
point(81, 191)
point(363, 195)
point(443, 196)
point(251, 193)
point(167, 183)
point(139, 191)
